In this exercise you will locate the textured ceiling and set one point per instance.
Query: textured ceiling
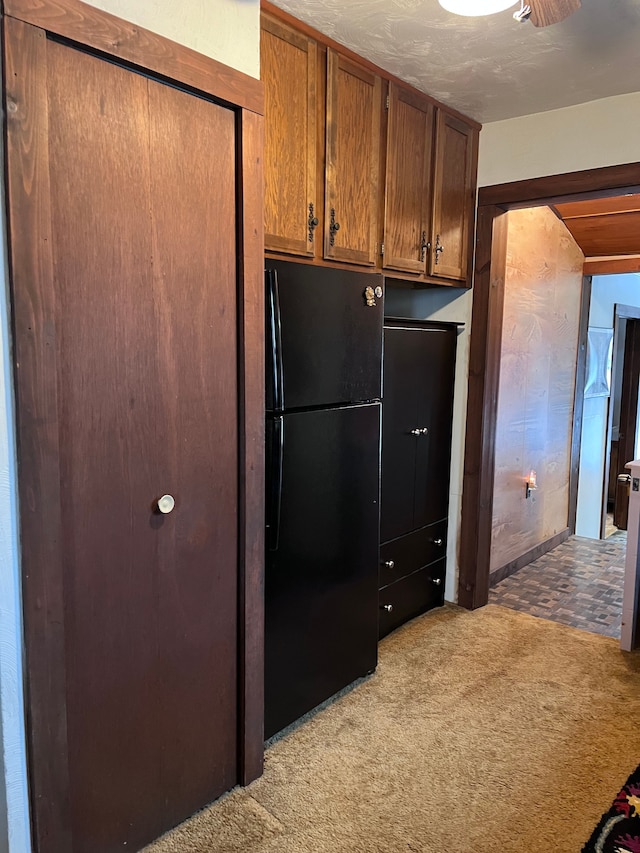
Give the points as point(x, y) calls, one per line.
point(489, 68)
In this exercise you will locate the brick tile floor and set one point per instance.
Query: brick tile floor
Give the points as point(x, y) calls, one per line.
point(579, 583)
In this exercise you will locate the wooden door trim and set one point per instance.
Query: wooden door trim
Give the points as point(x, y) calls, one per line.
point(488, 299)
point(570, 186)
point(39, 478)
point(251, 446)
point(29, 228)
point(482, 406)
point(91, 27)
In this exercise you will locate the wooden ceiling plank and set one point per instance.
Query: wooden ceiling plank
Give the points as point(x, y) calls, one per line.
point(616, 234)
point(598, 207)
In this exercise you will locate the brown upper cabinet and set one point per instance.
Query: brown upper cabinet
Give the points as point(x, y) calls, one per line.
point(354, 109)
point(410, 212)
point(407, 210)
point(289, 72)
point(454, 188)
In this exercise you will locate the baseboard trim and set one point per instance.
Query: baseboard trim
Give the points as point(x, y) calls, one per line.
point(520, 562)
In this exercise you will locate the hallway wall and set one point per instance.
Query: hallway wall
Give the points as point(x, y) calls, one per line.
point(543, 289)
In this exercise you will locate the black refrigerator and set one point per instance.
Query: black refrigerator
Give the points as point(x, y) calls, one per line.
point(323, 388)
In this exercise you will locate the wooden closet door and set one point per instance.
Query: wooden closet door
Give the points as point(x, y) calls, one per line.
point(122, 228)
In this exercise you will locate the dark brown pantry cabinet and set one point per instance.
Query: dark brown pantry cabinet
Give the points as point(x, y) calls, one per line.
point(417, 409)
point(134, 212)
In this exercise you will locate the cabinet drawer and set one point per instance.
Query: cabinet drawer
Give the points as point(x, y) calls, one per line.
point(407, 554)
point(406, 598)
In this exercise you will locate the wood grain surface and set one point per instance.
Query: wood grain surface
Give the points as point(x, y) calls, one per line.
point(126, 271)
point(354, 105)
point(288, 63)
point(38, 429)
point(80, 22)
point(252, 444)
point(484, 371)
point(454, 185)
point(408, 181)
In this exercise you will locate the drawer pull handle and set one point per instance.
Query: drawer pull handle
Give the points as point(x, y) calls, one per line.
point(436, 581)
point(437, 542)
point(389, 564)
point(420, 431)
point(387, 607)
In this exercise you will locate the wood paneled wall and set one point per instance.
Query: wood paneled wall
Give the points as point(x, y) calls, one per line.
point(537, 383)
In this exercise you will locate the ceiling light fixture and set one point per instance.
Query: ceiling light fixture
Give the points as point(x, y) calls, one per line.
point(476, 7)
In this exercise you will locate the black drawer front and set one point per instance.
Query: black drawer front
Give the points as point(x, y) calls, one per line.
point(403, 556)
point(415, 594)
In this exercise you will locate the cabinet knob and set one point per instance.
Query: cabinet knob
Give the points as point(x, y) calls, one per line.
point(389, 564)
point(437, 542)
point(387, 607)
point(166, 503)
point(436, 581)
point(419, 431)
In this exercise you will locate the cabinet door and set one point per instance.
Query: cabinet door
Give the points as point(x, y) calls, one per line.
point(407, 216)
point(399, 417)
point(289, 67)
point(354, 109)
point(453, 198)
point(434, 383)
point(416, 426)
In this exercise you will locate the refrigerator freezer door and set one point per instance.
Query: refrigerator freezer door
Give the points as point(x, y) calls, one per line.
point(324, 334)
point(322, 581)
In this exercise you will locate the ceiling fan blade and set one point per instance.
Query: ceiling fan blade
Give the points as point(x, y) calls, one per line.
point(547, 12)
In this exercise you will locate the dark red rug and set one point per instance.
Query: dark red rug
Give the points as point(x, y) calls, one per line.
point(619, 828)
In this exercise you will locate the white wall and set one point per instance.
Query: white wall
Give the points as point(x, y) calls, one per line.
point(453, 305)
point(586, 136)
point(606, 291)
point(229, 31)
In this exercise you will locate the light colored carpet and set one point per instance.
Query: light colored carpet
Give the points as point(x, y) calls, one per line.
point(480, 731)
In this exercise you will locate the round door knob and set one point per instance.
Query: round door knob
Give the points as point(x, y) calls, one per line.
point(166, 503)
point(436, 581)
point(387, 607)
point(389, 564)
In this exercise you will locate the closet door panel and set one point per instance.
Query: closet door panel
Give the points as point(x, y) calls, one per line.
point(399, 417)
point(434, 379)
point(129, 336)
